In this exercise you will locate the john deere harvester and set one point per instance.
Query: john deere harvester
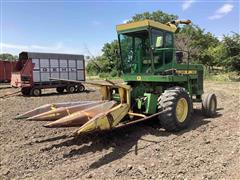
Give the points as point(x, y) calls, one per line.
point(158, 85)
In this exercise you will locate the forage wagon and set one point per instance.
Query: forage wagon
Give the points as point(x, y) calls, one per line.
point(35, 70)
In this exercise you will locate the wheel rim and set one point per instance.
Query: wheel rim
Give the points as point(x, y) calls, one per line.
point(72, 89)
point(81, 88)
point(181, 109)
point(36, 92)
point(212, 105)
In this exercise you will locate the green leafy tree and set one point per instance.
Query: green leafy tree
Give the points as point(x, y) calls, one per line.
point(93, 67)
point(232, 45)
point(158, 16)
point(202, 47)
point(197, 43)
point(111, 56)
point(8, 57)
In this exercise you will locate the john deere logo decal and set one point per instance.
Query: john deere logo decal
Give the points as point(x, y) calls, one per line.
point(139, 78)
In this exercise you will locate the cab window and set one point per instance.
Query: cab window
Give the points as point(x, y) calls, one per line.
point(168, 40)
point(157, 38)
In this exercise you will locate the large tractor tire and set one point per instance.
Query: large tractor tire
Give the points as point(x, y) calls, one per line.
point(178, 109)
point(209, 105)
point(36, 92)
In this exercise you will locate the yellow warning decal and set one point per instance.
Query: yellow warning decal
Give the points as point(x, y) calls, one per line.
point(186, 71)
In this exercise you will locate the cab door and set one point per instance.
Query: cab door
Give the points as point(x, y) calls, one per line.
point(162, 45)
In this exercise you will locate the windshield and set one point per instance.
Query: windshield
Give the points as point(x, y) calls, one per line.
point(135, 52)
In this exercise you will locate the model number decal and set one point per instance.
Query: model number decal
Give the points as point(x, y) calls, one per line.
point(186, 71)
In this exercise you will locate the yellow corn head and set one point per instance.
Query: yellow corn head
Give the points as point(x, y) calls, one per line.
point(88, 115)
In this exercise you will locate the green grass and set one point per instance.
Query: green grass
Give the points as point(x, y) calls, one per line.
point(231, 77)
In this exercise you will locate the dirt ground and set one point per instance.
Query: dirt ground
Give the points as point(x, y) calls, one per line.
point(208, 149)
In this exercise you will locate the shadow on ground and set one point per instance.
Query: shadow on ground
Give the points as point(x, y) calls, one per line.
point(59, 94)
point(121, 141)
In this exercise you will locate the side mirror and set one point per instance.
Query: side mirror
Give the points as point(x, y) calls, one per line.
point(159, 42)
point(179, 57)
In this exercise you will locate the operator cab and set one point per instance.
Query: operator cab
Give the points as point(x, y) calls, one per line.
point(146, 47)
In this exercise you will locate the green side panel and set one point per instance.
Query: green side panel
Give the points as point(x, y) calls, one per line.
point(158, 78)
point(151, 104)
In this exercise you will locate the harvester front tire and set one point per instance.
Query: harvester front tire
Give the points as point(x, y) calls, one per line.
point(209, 105)
point(36, 92)
point(178, 109)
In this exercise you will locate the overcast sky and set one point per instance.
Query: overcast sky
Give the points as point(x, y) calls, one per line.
point(82, 26)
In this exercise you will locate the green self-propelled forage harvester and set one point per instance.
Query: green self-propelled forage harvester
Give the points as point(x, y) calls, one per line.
point(157, 85)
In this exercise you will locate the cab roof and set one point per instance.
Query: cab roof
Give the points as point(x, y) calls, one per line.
point(144, 24)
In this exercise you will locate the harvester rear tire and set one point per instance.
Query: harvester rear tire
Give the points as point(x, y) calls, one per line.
point(209, 105)
point(178, 106)
point(36, 92)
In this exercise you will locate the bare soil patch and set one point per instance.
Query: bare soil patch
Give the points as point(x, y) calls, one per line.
point(208, 149)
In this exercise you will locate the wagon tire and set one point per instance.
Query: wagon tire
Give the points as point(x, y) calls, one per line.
point(209, 105)
point(80, 88)
point(60, 90)
point(70, 89)
point(177, 107)
point(36, 92)
point(25, 91)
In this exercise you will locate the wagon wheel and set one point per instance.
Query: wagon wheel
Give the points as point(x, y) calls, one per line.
point(60, 90)
point(25, 91)
point(71, 89)
point(80, 88)
point(36, 92)
point(209, 105)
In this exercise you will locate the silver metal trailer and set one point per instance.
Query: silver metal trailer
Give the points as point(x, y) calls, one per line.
point(37, 69)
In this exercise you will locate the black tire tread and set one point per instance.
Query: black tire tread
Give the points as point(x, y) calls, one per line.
point(206, 108)
point(167, 101)
point(69, 87)
point(33, 89)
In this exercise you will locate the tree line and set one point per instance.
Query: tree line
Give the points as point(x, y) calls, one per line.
point(202, 47)
point(8, 57)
